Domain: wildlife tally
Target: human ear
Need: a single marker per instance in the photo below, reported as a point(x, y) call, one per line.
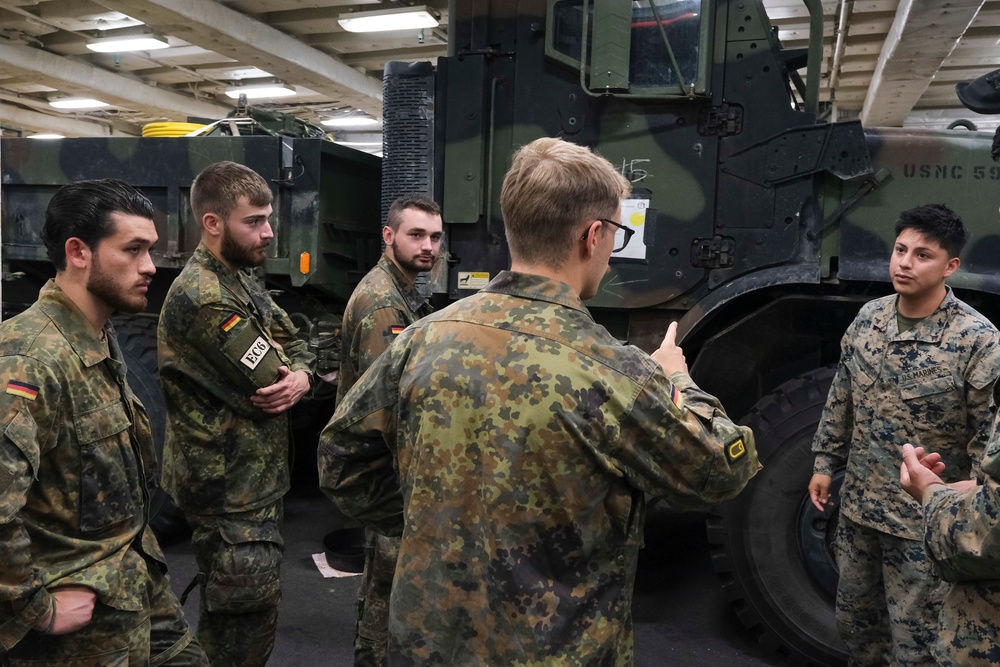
point(212, 224)
point(77, 253)
point(593, 236)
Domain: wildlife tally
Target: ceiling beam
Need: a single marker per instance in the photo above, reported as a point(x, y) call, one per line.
point(214, 27)
point(426, 52)
point(41, 122)
point(77, 78)
point(922, 36)
point(331, 10)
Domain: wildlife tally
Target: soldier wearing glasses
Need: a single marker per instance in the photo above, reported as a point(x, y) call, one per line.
point(525, 438)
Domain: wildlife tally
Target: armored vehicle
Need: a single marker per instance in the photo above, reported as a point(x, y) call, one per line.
point(759, 227)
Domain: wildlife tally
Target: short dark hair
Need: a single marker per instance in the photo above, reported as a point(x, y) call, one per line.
point(83, 210)
point(938, 223)
point(403, 202)
point(219, 186)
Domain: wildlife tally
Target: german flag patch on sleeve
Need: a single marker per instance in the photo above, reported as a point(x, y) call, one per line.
point(677, 397)
point(396, 329)
point(230, 323)
point(22, 389)
point(735, 450)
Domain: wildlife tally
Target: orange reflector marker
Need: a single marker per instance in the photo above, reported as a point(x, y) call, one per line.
point(304, 263)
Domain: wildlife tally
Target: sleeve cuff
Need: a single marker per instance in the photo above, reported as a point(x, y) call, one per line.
point(825, 464)
point(16, 627)
point(680, 379)
point(930, 491)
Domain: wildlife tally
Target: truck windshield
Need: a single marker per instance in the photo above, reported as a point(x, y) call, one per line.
point(650, 65)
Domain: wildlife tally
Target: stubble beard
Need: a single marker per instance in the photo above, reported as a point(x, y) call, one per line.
point(409, 264)
point(102, 285)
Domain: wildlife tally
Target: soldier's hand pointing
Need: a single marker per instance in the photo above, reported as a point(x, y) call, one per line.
point(669, 355)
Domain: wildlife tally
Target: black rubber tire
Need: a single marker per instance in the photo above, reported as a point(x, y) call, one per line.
point(137, 338)
point(769, 545)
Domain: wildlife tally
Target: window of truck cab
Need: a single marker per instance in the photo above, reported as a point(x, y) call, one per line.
point(626, 45)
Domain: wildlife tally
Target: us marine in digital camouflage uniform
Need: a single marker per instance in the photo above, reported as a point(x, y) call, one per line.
point(82, 578)
point(962, 523)
point(526, 439)
point(231, 368)
point(917, 367)
point(384, 303)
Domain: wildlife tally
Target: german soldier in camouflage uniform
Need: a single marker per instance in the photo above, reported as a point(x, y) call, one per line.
point(83, 580)
point(918, 366)
point(385, 302)
point(526, 438)
point(231, 368)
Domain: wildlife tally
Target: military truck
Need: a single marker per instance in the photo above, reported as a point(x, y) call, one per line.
point(326, 221)
point(760, 228)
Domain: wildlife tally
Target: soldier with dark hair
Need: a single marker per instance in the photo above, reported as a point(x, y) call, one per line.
point(918, 366)
point(231, 367)
point(384, 303)
point(83, 580)
point(511, 441)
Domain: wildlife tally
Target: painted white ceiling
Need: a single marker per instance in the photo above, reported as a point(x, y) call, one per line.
point(889, 62)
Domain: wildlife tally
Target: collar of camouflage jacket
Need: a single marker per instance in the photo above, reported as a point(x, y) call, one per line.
point(538, 288)
point(407, 288)
point(930, 329)
point(70, 321)
point(204, 256)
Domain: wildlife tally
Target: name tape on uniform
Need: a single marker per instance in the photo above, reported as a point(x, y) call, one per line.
point(252, 357)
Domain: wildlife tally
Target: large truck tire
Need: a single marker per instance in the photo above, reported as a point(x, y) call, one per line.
point(137, 338)
point(770, 546)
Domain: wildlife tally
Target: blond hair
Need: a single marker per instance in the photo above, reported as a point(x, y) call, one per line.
point(552, 190)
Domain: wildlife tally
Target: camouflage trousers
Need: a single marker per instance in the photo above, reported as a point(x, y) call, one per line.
point(969, 634)
point(238, 555)
point(888, 597)
point(157, 635)
point(371, 638)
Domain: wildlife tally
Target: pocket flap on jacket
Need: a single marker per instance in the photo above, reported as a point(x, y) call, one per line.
point(930, 387)
point(101, 423)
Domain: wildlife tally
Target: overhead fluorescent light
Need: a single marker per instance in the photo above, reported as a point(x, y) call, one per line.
point(258, 91)
point(403, 18)
point(146, 42)
point(350, 121)
point(77, 103)
point(46, 136)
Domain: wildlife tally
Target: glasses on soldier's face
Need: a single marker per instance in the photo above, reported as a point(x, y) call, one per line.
point(628, 233)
